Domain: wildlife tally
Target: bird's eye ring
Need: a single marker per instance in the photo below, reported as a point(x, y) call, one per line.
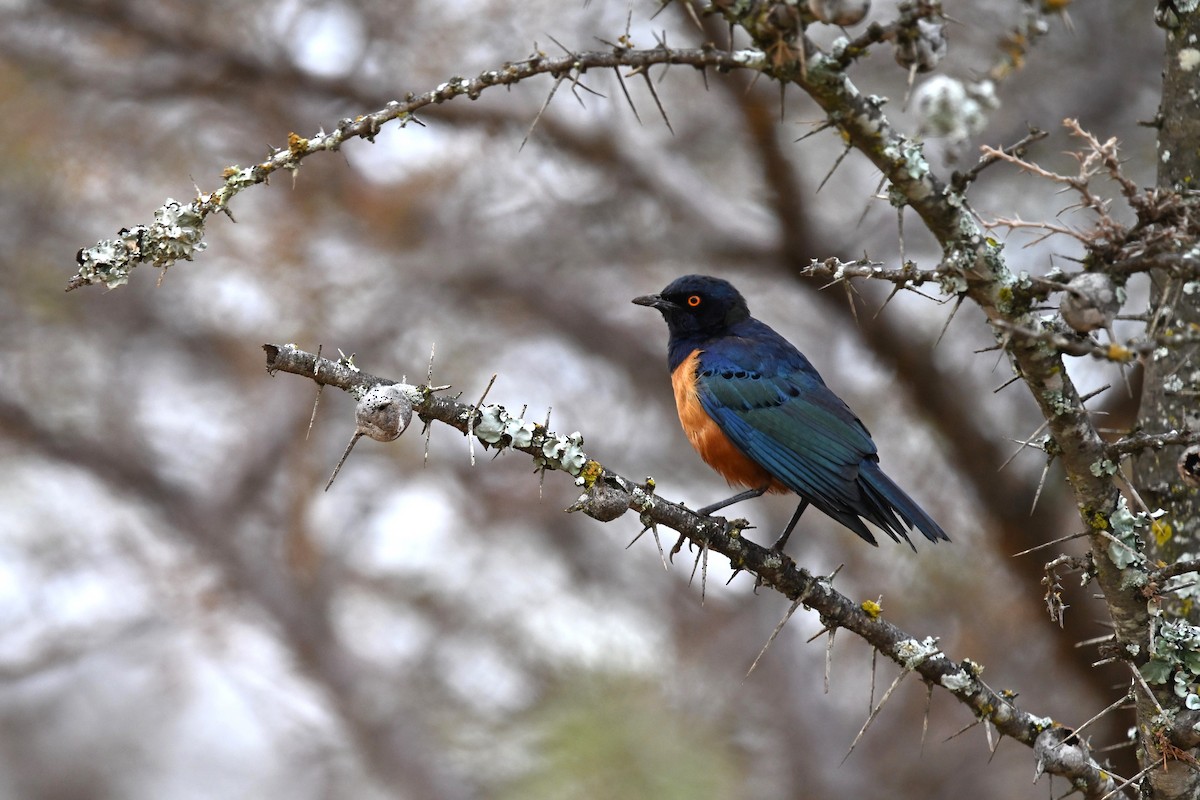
point(694, 300)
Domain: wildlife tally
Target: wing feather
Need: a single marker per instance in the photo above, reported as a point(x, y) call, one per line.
point(798, 429)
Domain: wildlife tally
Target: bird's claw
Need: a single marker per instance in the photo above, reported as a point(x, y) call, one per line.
point(678, 546)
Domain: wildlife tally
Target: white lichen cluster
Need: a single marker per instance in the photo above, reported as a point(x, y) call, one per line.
point(912, 653)
point(956, 681)
point(174, 235)
point(954, 109)
point(497, 427)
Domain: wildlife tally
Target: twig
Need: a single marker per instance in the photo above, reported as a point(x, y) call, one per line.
point(1079, 345)
point(1121, 786)
point(1137, 676)
point(1051, 543)
point(961, 180)
point(1137, 442)
point(1174, 570)
point(1113, 707)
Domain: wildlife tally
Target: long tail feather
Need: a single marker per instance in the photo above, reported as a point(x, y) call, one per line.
point(891, 502)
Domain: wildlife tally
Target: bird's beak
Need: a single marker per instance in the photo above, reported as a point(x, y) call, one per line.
point(654, 301)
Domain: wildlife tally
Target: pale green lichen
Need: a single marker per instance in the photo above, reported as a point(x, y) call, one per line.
point(174, 235)
point(564, 453)
point(1058, 404)
point(1126, 528)
point(496, 426)
point(913, 154)
point(490, 427)
point(1175, 657)
point(1133, 579)
point(519, 432)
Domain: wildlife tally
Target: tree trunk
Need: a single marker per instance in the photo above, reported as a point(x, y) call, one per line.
point(1172, 379)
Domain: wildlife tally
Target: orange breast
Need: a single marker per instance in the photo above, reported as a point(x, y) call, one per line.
point(705, 435)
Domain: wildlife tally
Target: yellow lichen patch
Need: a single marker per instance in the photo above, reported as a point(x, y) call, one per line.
point(872, 608)
point(297, 144)
point(1117, 352)
point(1162, 531)
point(590, 472)
point(1004, 296)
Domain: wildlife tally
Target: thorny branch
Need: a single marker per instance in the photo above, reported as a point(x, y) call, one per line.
point(1095, 159)
point(178, 228)
point(607, 495)
point(1137, 442)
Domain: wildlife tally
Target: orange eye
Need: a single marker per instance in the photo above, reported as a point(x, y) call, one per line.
point(694, 300)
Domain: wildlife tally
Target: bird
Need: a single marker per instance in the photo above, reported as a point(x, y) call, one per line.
point(757, 411)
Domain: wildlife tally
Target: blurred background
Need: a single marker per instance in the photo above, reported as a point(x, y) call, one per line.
point(185, 614)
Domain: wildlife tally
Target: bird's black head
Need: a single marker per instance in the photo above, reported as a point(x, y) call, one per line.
point(698, 305)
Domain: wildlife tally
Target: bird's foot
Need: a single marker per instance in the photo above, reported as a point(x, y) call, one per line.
point(728, 501)
point(678, 546)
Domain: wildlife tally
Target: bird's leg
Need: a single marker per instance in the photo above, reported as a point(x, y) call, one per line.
point(737, 498)
point(783, 537)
